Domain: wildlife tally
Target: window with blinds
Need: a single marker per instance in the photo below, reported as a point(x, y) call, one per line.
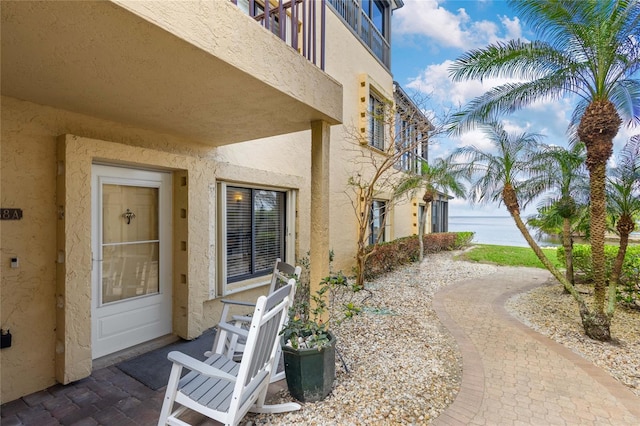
point(255, 231)
point(376, 122)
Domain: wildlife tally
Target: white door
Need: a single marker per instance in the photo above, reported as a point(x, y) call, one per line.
point(131, 252)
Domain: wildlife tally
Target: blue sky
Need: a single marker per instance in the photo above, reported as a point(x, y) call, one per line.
point(427, 35)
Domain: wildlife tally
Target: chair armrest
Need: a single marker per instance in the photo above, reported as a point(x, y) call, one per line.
point(198, 366)
point(242, 318)
point(233, 329)
point(238, 302)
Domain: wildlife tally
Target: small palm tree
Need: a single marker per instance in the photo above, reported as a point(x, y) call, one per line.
point(509, 176)
point(590, 48)
point(623, 195)
point(567, 179)
point(433, 178)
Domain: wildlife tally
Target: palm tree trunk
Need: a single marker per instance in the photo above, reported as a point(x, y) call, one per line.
point(545, 261)
point(615, 273)
point(598, 231)
point(567, 243)
point(625, 226)
point(598, 126)
point(597, 324)
point(421, 227)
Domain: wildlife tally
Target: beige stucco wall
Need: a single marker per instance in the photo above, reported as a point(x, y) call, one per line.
point(46, 167)
point(347, 62)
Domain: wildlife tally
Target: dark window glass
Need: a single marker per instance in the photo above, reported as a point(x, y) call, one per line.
point(378, 212)
point(376, 122)
point(255, 231)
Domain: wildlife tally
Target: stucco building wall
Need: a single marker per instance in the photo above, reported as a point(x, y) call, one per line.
point(46, 168)
point(348, 62)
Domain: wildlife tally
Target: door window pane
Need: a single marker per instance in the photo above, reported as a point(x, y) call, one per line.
point(129, 271)
point(130, 242)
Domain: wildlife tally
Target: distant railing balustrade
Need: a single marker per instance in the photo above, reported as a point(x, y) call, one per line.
point(303, 26)
point(359, 21)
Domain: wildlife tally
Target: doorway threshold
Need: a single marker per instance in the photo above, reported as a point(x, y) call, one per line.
point(134, 351)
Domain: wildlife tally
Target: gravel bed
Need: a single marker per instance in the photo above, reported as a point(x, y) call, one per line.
point(412, 377)
point(553, 313)
point(404, 367)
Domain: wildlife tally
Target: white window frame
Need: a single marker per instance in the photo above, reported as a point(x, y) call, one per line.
point(223, 287)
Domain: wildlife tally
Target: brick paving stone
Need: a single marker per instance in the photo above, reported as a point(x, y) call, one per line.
point(78, 415)
point(37, 398)
point(528, 378)
point(83, 396)
point(86, 422)
point(127, 404)
point(12, 420)
point(13, 407)
point(38, 417)
point(111, 416)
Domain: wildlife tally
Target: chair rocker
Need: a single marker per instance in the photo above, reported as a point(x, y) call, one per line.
point(229, 341)
point(223, 389)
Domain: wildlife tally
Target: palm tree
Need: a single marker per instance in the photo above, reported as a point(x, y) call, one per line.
point(566, 177)
point(590, 48)
point(433, 178)
point(623, 194)
point(509, 176)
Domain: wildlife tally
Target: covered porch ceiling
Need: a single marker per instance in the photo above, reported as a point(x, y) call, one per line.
point(105, 60)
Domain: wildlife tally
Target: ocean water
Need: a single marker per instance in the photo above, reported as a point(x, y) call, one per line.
point(499, 230)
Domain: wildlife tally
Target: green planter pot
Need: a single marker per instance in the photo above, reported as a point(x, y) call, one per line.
point(310, 372)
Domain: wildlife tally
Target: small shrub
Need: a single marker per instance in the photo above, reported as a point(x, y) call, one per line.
point(629, 288)
point(463, 239)
point(390, 255)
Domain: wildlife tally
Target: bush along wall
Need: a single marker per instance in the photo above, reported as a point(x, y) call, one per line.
point(390, 255)
point(629, 290)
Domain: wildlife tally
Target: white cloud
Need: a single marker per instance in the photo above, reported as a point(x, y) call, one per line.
point(435, 82)
point(451, 29)
point(513, 28)
point(475, 138)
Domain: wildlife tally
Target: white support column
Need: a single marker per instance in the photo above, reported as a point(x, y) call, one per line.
point(319, 234)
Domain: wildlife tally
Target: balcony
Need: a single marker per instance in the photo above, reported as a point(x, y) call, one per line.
point(370, 20)
point(199, 69)
point(299, 23)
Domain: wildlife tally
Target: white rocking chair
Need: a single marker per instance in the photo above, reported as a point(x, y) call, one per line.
point(229, 341)
point(219, 387)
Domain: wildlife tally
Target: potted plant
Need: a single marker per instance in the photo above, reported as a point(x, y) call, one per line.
point(308, 346)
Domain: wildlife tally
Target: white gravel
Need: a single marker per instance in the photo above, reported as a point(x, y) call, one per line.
point(405, 368)
point(551, 312)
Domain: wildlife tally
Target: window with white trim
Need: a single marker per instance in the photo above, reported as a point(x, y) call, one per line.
point(252, 234)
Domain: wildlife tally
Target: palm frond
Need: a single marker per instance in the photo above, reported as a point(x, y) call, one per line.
point(625, 95)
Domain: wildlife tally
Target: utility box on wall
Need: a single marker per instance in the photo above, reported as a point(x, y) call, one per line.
point(5, 339)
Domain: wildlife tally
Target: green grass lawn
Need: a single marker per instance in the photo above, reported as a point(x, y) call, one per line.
point(508, 256)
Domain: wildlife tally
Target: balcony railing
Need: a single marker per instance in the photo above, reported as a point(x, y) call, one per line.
point(361, 24)
point(299, 23)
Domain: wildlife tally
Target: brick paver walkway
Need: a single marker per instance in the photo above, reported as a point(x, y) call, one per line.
point(515, 376)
